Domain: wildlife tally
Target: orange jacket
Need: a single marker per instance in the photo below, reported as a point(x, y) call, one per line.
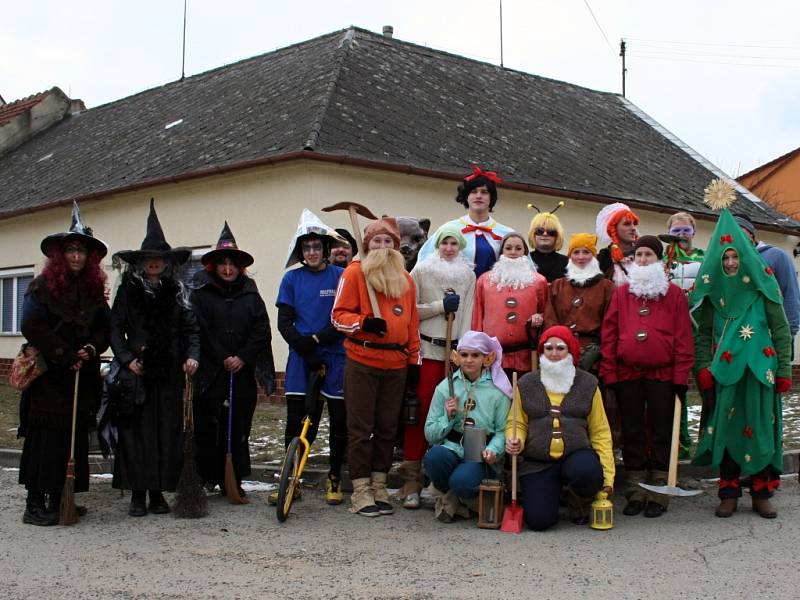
point(352, 307)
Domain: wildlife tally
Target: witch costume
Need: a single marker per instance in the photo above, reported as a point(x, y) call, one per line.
point(233, 322)
point(151, 323)
point(743, 355)
point(60, 321)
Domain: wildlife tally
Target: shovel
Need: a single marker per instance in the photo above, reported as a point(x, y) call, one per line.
point(354, 208)
point(512, 517)
point(672, 489)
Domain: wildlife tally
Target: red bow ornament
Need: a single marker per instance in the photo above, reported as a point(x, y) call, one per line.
point(769, 271)
point(727, 238)
point(764, 484)
point(768, 351)
point(490, 175)
point(729, 483)
point(727, 357)
point(476, 228)
point(748, 432)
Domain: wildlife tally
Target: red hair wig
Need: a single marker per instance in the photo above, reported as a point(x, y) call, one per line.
point(56, 275)
point(611, 230)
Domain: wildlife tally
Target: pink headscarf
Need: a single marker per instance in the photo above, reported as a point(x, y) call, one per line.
point(477, 340)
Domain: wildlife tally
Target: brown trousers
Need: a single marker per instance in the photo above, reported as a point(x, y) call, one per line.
point(373, 400)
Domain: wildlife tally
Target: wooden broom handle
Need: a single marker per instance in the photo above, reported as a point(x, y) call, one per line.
point(672, 475)
point(514, 436)
point(74, 414)
point(362, 252)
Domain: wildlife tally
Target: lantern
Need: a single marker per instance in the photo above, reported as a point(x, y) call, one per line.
point(490, 504)
point(410, 408)
point(602, 512)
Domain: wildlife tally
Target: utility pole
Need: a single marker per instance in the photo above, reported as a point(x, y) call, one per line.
point(501, 33)
point(624, 70)
point(183, 53)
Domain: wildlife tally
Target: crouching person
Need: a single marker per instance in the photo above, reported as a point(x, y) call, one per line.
point(480, 399)
point(562, 434)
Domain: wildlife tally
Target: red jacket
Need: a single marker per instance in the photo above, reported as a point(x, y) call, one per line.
point(646, 338)
point(352, 306)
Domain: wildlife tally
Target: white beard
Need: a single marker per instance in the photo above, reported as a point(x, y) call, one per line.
point(448, 273)
point(557, 376)
point(580, 275)
point(648, 282)
point(515, 273)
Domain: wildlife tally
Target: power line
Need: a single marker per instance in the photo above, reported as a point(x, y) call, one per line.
point(714, 62)
point(686, 43)
point(596, 22)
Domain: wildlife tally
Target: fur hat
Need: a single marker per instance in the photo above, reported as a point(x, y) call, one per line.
point(387, 225)
point(77, 231)
point(565, 334)
point(583, 240)
point(155, 244)
point(652, 242)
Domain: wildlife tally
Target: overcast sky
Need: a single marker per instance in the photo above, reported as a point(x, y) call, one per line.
point(724, 76)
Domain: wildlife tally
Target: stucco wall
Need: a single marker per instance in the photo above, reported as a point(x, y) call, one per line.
point(262, 206)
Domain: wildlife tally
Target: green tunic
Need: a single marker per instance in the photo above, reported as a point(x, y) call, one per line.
point(743, 338)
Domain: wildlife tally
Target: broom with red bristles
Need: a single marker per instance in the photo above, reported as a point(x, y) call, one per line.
point(231, 484)
point(68, 512)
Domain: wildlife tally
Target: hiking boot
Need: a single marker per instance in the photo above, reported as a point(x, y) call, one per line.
point(764, 508)
point(363, 502)
point(272, 499)
point(654, 510)
point(36, 513)
point(727, 506)
point(633, 508)
point(138, 506)
point(380, 493)
point(333, 491)
point(158, 504)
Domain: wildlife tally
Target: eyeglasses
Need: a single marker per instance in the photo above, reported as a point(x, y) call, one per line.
point(552, 347)
point(689, 230)
point(543, 231)
point(312, 246)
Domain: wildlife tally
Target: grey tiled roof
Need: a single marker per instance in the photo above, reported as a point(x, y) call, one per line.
point(357, 94)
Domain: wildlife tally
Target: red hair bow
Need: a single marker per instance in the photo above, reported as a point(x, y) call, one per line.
point(490, 175)
point(726, 356)
point(764, 484)
point(727, 238)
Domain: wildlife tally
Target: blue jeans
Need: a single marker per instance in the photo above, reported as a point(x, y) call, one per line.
point(581, 471)
point(449, 472)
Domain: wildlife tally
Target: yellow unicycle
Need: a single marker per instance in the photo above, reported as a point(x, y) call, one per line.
point(297, 452)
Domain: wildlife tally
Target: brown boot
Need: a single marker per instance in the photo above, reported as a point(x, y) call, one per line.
point(764, 508)
point(727, 506)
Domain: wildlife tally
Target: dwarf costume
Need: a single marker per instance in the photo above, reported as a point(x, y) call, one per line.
point(613, 259)
point(379, 351)
point(743, 354)
point(647, 352)
point(59, 325)
point(483, 239)
point(151, 323)
point(233, 322)
point(437, 281)
point(486, 402)
point(503, 308)
point(564, 435)
point(305, 301)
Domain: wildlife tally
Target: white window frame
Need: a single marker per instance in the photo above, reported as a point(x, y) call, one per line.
point(12, 275)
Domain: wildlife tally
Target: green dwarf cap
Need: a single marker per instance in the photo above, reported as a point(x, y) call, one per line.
point(449, 230)
point(731, 295)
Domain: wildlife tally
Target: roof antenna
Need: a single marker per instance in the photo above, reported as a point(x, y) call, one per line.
point(622, 48)
point(183, 53)
point(501, 33)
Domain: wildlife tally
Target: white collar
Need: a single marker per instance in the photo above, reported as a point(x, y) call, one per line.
point(487, 223)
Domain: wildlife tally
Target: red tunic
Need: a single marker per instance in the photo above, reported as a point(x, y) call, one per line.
point(647, 338)
point(503, 313)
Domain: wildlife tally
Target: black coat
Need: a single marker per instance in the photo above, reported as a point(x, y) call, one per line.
point(161, 331)
point(58, 328)
point(233, 321)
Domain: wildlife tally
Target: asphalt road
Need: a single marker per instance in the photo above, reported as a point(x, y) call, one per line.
point(326, 552)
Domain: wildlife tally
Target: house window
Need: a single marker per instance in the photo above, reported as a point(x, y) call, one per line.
point(13, 285)
point(193, 265)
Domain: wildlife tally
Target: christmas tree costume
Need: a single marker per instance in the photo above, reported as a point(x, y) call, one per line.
point(743, 351)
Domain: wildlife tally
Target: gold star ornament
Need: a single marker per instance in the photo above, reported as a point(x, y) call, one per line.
point(746, 332)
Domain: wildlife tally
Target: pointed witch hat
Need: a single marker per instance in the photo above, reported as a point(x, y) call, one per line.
point(310, 224)
point(227, 248)
point(77, 231)
point(155, 244)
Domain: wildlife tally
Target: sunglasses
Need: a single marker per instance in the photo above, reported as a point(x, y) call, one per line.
point(551, 347)
point(681, 230)
point(543, 231)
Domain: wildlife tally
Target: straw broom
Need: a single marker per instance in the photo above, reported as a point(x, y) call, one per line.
point(190, 500)
point(68, 512)
point(231, 485)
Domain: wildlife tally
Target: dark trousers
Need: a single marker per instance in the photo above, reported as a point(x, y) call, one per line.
point(337, 415)
point(541, 491)
point(635, 399)
point(762, 483)
point(374, 398)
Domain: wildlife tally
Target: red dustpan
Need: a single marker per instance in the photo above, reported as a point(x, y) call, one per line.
point(512, 516)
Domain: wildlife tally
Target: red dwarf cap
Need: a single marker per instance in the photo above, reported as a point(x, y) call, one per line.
point(562, 333)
